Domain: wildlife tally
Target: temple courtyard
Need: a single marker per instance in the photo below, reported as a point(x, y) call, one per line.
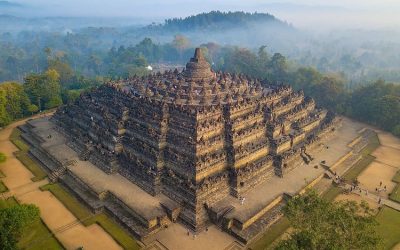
point(53, 213)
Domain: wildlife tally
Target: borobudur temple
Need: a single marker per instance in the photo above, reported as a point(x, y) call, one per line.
point(197, 137)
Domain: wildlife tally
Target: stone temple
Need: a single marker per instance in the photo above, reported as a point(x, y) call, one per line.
point(196, 140)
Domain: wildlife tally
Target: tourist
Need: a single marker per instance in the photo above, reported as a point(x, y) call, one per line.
point(384, 188)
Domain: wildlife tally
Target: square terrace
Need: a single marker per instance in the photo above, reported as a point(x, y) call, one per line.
point(293, 182)
point(133, 196)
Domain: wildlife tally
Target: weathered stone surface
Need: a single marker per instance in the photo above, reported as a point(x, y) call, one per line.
point(195, 136)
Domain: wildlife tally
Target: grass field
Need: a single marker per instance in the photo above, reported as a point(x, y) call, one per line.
point(37, 236)
point(358, 167)
point(31, 165)
point(389, 226)
point(373, 144)
point(3, 187)
point(271, 235)
point(396, 178)
point(15, 138)
point(395, 194)
point(23, 156)
point(87, 218)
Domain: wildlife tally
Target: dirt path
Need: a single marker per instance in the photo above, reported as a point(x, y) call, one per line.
point(380, 172)
point(59, 219)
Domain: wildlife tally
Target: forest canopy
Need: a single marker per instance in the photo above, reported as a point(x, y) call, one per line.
point(55, 68)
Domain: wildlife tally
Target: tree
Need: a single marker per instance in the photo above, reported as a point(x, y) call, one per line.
point(52, 98)
point(320, 224)
point(4, 116)
point(3, 157)
point(396, 130)
point(69, 96)
point(13, 220)
point(305, 79)
point(33, 109)
point(279, 68)
point(44, 90)
point(329, 92)
point(263, 55)
point(63, 69)
point(181, 43)
point(17, 101)
point(386, 111)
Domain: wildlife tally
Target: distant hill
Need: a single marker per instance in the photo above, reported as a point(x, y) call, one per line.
point(8, 4)
point(216, 20)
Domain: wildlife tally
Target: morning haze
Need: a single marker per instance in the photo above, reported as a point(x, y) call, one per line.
point(192, 125)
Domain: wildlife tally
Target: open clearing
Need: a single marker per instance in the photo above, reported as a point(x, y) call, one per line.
point(376, 173)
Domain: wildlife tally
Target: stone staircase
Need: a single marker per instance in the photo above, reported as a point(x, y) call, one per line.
point(84, 156)
point(60, 171)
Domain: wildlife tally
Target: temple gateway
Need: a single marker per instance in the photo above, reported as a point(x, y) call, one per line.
point(188, 144)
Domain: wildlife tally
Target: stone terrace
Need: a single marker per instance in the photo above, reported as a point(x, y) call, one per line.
point(134, 197)
point(330, 151)
point(257, 201)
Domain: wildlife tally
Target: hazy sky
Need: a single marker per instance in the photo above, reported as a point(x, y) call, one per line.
point(302, 13)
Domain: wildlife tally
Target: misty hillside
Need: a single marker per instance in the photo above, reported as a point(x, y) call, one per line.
point(228, 28)
point(359, 54)
point(7, 4)
point(217, 20)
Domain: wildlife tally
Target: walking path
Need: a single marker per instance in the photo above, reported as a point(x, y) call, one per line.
point(67, 229)
point(385, 162)
point(364, 193)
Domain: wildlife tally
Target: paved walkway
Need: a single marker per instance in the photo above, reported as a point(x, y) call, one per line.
point(364, 193)
point(70, 232)
point(23, 189)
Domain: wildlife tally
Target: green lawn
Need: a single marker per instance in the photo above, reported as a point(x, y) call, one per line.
point(31, 165)
point(88, 218)
point(358, 167)
point(15, 138)
point(396, 178)
point(395, 194)
point(272, 233)
point(373, 144)
point(366, 159)
point(3, 187)
point(23, 156)
point(332, 192)
point(389, 226)
point(3, 157)
point(37, 236)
